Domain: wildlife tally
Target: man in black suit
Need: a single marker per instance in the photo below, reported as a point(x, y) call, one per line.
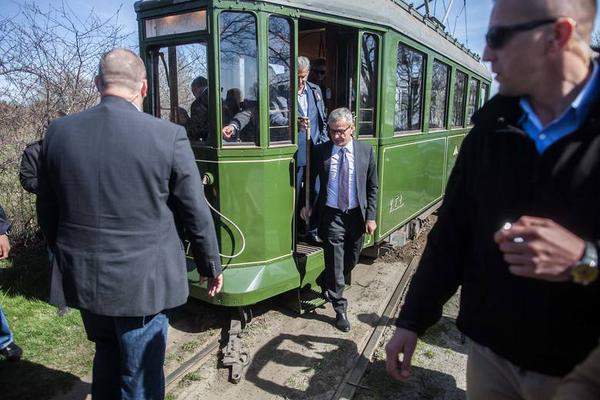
point(346, 204)
point(113, 183)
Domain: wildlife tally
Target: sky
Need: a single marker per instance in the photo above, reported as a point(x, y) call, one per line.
point(477, 13)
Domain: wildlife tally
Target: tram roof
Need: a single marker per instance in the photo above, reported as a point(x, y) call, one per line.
point(394, 14)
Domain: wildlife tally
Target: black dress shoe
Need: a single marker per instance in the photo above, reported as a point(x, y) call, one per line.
point(341, 321)
point(12, 352)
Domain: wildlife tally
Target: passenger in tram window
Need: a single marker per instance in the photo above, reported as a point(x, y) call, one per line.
point(181, 117)
point(8, 348)
point(117, 187)
point(198, 124)
point(518, 228)
point(243, 127)
point(232, 104)
point(318, 73)
point(345, 206)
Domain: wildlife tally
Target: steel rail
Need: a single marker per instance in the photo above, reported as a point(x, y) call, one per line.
point(351, 381)
point(196, 360)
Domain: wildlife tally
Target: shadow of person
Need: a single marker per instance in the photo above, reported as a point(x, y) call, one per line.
point(29, 274)
point(301, 366)
point(371, 319)
point(445, 334)
point(424, 384)
point(37, 382)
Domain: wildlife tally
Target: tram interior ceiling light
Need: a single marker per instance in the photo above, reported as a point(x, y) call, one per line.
point(175, 24)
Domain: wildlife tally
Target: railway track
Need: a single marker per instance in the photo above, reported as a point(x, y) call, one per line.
point(352, 378)
point(351, 381)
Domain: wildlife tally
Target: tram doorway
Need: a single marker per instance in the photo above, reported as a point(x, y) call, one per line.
point(332, 52)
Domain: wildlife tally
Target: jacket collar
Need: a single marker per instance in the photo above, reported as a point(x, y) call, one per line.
point(117, 102)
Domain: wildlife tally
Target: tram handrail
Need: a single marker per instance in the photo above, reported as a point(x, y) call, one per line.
point(235, 226)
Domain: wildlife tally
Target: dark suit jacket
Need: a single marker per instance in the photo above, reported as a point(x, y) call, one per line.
point(113, 181)
point(365, 170)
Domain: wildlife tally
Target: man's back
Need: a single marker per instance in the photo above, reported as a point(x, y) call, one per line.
point(119, 177)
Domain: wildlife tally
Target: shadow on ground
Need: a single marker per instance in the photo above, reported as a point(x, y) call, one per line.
point(300, 366)
point(42, 382)
point(28, 275)
point(445, 334)
point(425, 384)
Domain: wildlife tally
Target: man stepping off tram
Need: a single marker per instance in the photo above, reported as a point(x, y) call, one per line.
point(346, 204)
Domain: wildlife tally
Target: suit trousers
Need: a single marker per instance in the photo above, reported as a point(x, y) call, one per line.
point(6, 336)
point(492, 377)
point(583, 383)
point(130, 353)
point(343, 235)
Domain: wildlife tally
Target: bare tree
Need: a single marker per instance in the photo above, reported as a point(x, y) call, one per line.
point(48, 59)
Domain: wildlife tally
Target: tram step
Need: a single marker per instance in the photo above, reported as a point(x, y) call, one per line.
point(305, 249)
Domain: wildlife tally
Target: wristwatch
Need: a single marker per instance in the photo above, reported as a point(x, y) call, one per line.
point(585, 271)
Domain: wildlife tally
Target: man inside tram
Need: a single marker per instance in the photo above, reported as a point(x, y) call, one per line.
point(312, 128)
point(197, 125)
point(318, 75)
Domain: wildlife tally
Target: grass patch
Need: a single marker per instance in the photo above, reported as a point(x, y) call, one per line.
point(56, 351)
point(189, 378)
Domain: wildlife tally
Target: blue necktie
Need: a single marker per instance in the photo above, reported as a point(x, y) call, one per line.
point(343, 200)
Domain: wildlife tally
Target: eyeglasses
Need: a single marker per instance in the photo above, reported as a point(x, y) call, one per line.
point(498, 36)
point(339, 131)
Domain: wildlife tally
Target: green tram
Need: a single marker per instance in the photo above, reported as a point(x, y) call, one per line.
point(412, 87)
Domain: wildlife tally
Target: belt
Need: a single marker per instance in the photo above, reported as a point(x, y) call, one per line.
point(348, 211)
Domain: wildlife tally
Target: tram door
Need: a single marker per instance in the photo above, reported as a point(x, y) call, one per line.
point(332, 52)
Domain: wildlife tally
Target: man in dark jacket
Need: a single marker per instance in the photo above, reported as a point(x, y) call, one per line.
point(8, 347)
point(518, 229)
point(113, 182)
point(346, 204)
point(198, 123)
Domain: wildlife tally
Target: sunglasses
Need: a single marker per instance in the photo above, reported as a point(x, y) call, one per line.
point(498, 36)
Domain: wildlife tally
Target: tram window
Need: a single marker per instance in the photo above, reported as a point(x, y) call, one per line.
point(483, 96)
point(180, 88)
point(409, 89)
point(239, 78)
point(280, 78)
point(368, 85)
point(460, 88)
point(472, 103)
point(439, 95)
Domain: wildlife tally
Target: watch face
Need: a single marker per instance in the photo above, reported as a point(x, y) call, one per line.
point(584, 274)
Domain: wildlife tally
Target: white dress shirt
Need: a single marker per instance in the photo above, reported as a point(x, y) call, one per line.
point(303, 102)
point(332, 185)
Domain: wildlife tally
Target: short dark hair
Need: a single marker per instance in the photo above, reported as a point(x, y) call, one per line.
point(199, 82)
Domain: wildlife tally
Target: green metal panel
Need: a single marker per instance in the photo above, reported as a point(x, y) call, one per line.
point(257, 195)
point(454, 143)
point(249, 285)
point(412, 178)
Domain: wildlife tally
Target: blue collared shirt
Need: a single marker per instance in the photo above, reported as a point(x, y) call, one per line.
point(571, 120)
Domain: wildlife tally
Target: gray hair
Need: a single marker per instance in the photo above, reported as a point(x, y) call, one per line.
point(303, 63)
point(341, 113)
point(121, 68)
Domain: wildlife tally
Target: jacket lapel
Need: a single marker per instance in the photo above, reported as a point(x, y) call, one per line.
point(327, 160)
point(358, 167)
